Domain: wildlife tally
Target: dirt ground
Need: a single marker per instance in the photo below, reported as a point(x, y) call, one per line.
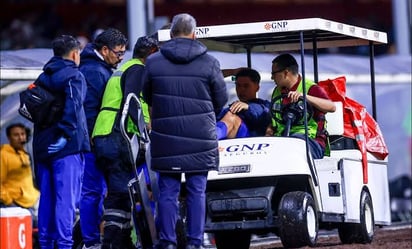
point(385, 238)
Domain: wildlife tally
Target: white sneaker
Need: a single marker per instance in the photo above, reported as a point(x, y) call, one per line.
point(96, 246)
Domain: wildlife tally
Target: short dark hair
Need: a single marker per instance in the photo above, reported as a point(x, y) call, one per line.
point(144, 45)
point(14, 125)
point(286, 61)
point(251, 73)
point(110, 38)
point(63, 44)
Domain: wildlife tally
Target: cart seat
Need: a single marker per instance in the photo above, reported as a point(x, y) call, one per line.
point(335, 128)
point(334, 120)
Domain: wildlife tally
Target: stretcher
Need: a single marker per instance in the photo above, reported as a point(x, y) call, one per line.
point(143, 194)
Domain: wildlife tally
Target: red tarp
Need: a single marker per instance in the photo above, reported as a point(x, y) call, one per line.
point(358, 123)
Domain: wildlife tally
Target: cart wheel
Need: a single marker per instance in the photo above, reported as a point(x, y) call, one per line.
point(232, 239)
point(298, 220)
point(362, 232)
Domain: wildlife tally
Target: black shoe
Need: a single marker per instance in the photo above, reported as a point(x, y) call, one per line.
point(170, 246)
point(165, 246)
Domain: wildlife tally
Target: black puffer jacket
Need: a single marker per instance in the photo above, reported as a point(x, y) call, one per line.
point(185, 88)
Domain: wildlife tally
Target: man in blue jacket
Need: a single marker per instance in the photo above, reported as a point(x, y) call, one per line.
point(98, 59)
point(249, 115)
point(109, 144)
point(58, 149)
point(184, 87)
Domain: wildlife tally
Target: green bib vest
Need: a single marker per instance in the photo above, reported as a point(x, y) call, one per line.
point(110, 110)
point(300, 128)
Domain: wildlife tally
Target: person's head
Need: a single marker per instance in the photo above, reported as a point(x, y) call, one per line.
point(18, 135)
point(247, 84)
point(67, 47)
point(183, 25)
point(111, 44)
point(145, 46)
point(285, 70)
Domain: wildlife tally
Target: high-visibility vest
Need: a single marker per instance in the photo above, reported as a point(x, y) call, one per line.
point(298, 128)
point(110, 110)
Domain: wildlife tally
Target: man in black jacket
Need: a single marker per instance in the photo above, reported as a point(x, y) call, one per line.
point(184, 87)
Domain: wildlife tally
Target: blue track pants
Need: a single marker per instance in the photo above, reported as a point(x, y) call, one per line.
point(91, 202)
point(60, 184)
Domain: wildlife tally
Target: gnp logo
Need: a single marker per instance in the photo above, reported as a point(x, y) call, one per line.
point(281, 25)
point(202, 32)
point(244, 149)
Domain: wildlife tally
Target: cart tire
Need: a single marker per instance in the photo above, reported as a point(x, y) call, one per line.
point(298, 220)
point(232, 239)
point(362, 232)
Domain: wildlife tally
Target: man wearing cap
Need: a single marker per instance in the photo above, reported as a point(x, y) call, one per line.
point(111, 154)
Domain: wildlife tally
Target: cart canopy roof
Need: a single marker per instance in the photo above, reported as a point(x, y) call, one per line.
point(282, 35)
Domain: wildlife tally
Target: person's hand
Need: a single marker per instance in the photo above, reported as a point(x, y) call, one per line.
point(294, 96)
point(269, 131)
point(53, 148)
point(238, 106)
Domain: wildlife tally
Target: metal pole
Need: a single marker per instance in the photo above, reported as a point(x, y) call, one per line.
point(302, 65)
point(150, 28)
point(249, 57)
point(136, 20)
point(372, 69)
point(315, 57)
point(305, 114)
point(401, 25)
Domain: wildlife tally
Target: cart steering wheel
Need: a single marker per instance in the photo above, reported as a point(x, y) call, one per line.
point(292, 112)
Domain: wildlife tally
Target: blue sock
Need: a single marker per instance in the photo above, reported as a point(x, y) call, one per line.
point(243, 131)
point(221, 130)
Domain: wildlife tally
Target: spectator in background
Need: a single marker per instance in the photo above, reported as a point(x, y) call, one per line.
point(58, 149)
point(16, 178)
point(96, 33)
point(98, 59)
point(185, 89)
point(83, 41)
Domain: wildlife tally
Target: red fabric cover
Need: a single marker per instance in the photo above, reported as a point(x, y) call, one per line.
point(358, 123)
